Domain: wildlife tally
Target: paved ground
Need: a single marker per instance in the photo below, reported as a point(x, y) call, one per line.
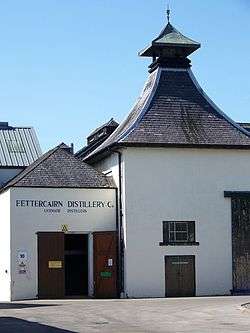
point(215, 314)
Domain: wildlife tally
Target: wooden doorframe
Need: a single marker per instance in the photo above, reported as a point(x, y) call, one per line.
point(41, 265)
point(194, 271)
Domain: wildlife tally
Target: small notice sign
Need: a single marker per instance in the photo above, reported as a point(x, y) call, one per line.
point(55, 264)
point(106, 274)
point(22, 259)
point(110, 262)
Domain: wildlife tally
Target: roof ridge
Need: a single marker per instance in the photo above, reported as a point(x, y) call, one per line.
point(30, 168)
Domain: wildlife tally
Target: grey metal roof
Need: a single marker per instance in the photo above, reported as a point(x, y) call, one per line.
point(19, 146)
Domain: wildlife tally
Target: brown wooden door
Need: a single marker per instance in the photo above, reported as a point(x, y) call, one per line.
point(105, 264)
point(51, 265)
point(180, 276)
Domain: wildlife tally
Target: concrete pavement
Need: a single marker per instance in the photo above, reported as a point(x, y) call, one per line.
point(206, 314)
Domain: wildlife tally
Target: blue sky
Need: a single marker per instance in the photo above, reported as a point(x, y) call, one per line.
point(67, 66)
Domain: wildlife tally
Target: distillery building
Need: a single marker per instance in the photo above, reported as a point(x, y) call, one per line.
point(58, 234)
point(157, 206)
point(181, 167)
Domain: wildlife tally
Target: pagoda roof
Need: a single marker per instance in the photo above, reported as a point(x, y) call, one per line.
point(60, 168)
point(168, 38)
point(173, 111)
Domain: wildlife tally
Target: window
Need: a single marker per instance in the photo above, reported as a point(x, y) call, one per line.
point(179, 233)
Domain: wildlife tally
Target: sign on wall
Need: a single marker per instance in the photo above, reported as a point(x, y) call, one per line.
point(22, 259)
point(68, 206)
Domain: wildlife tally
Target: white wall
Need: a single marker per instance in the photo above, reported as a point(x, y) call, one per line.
point(7, 174)
point(110, 167)
point(180, 184)
point(26, 221)
point(5, 247)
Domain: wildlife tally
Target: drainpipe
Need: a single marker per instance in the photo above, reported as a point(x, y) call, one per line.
point(120, 228)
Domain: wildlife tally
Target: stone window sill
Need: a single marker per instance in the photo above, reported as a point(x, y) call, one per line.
point(179, 244)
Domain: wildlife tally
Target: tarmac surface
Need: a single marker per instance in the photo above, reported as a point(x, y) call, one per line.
point(200, 314)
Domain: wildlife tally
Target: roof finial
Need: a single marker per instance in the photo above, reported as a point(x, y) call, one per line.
point(168, 14)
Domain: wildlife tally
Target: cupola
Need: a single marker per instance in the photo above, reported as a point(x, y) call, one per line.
point(170, 48)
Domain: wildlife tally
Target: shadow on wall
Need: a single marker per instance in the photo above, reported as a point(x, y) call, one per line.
point(23, 305)
point(15, 325)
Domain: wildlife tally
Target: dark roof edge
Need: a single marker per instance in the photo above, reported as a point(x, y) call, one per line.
point(106, 151)
point(208, 99)
point(184, 145)
point(108, 123)
point(30, 168)
point(70, 187)
point(156, 77)
point(144, 109)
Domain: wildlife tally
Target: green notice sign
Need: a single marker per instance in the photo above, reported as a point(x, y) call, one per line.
point(106, 274)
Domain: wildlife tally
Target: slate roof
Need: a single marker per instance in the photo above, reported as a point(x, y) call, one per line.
point(97, 137)
point(111, 123)
point(168, 38)
point(19, 146)
point(59, 168)
point(174, 111)
point(245, 125)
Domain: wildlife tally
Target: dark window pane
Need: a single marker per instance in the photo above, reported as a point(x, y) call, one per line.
point(166, 232)
point(181, 226)
point(171, 237)
point(181, 236)
point(171, 226)
point(191, 232)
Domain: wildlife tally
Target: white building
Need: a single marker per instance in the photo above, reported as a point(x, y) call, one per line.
point(179, 162)
point(53, 215)
point(168, 215)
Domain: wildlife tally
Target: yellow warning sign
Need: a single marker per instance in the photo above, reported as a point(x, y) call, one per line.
point(65, 228)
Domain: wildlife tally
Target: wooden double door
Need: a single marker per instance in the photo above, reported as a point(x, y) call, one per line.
point(180, 276)
point(63, 264)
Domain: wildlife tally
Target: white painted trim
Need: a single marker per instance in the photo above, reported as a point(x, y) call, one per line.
point(213, 105)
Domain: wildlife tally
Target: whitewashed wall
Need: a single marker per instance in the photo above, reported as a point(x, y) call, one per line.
point(26, 221)
point(110, 167)
point(5, 247)
point(181, 184)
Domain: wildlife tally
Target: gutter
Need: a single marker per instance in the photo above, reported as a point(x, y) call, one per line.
point(120, 229)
